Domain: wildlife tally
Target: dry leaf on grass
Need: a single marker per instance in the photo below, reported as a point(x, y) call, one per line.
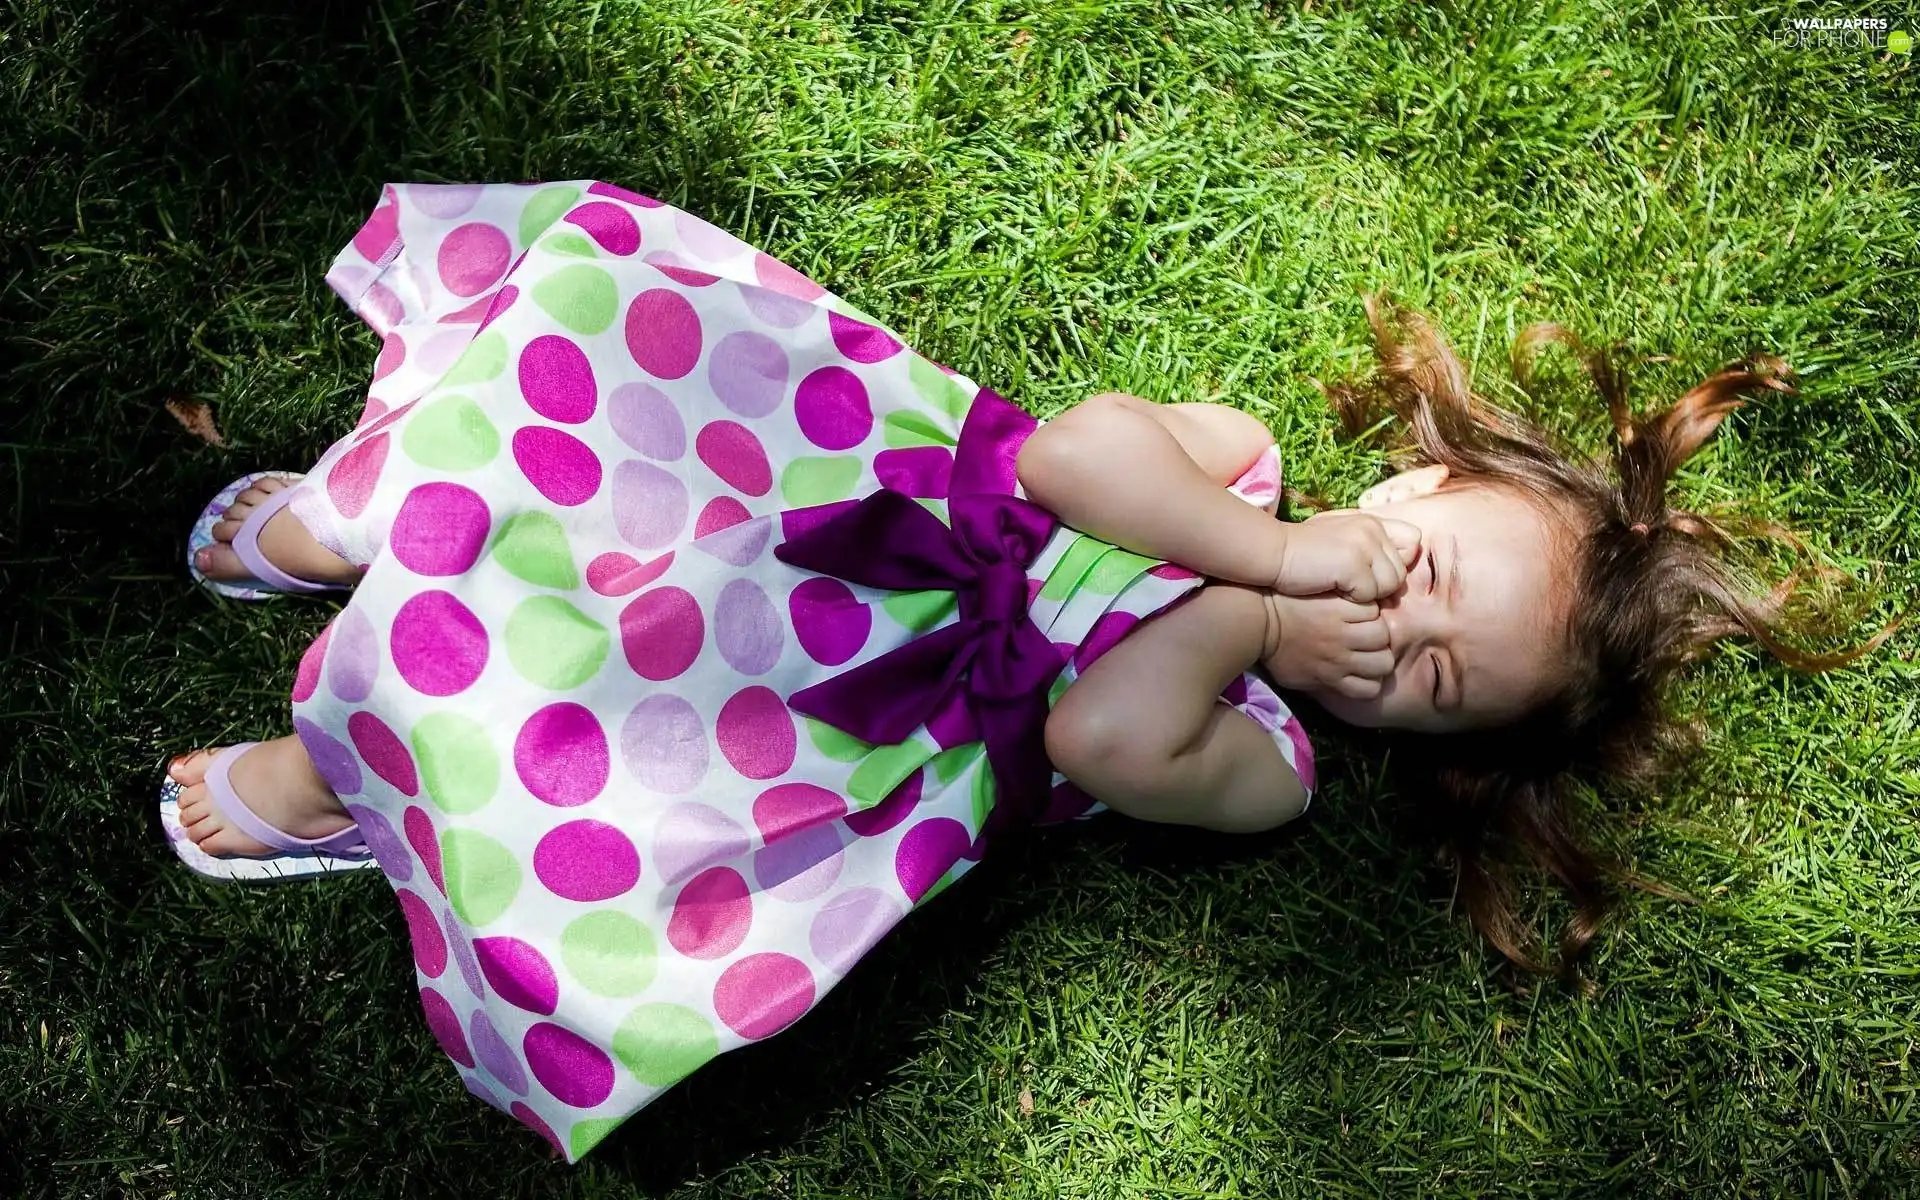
point(197, 418)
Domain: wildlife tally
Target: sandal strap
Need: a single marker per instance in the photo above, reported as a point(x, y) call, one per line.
point(347, 843)
point(246, 545)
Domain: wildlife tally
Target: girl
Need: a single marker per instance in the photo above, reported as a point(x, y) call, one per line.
point(700, 629)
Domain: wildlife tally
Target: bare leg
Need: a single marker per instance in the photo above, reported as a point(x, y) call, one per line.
point(278, 781)
point(284, 540)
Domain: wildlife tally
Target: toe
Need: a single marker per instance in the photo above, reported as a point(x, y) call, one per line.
point(219, 561)
point(226, 530)
point(190, 768)
point(267, 485)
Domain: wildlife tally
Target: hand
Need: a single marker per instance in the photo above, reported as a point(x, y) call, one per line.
point(1362, 556)
point(1330, 643)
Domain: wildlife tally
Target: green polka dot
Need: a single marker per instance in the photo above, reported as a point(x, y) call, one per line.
point(457, 761)
point(948, 764)
point(609, 953)
point(581, 297)
point(1059, 687)
point(881, 771)
point(920, 611)
point(570, 243)
point(587, 1134)
point(907, 427)
point(1072, 567)
point(983, 793)
point(484, 358)
point(554, 644)
point(937, 388)
point(936, 506)
point(450, 434)
point(809, 481)
point(482, 875)
point(544, 209)
point(835, 744)
point(1116, 569)
point(533, 546)
point(663, 1043)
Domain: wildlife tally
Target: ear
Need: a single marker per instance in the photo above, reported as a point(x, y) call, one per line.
point(1405, 486)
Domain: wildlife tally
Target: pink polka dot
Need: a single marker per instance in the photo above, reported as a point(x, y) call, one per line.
point(501, 302)
point(830, 624)
point(469, 314)
point(850, 924)
point(306, 679)
point(927, 852)
point(662, 632)
point(790, 807)
point(663, 333)
point(664, 744)
point(756, 733)
point(586, 860)
point(371, 411)
point(616, 574)
point(861, 342)
point(557, 380)
point(438, 645)
point(575, 1071)
point(383, 752)
point(711, 915)
point(608, 224)
point(692, 837)
point(916, 470)
point(518, 973)
point(440, 530)
point(721, 512)
point(649, 504)
point(615, 191)
point(732, 452)
point(800, 867)
point(1171, 571)
point(763, 993)
point(381, 230)
point(425, 841)
point(774, 274)
point(1104, 636)
point(892, 809)
point(675, 268)
point(737, 544)
point(747, 628)
point(429, 944)
point(643, 417)
point(531, 1119)
point(353, 662)
point(385, 419)
point(350, 482)
point(445, 1026)
point(832, 408)
point(496, 1057)
point(1303, 763)
point(393, 352)
point(562, 467)
point(748, 372)
point(473, 257)
point(561, 755)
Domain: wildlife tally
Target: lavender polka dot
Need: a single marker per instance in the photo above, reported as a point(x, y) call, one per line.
point(561, 755)
point(382, 840)
point(850, 924)
point(664, 744)
point(746, 627)
point(762, 994)
point(442, 350)
point(440, 530)
point(463, 954)
point(353, 661)
point(518, 973)
point(692, 837)
point(496, 1057)
point(705, 239)
point(443, 201)
point(833, 410)
point(643, 417)
point(800, 867)
point(756, 733)
point(560, 466)
point(444, 1024)
point(473, 257)
point(927, 852)
point(557, 380)
point(776, 308)
point(572, 1069)
point(438, 645)
point(661, 633)
point(650, 505)
point(828, 621)
point(586, 861)
point(861, 342)
point(748, 372)
point(739, 544)
point(663, 333)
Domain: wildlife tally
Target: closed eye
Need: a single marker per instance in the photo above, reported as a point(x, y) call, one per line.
point(1433, 573)
point(1435, 660)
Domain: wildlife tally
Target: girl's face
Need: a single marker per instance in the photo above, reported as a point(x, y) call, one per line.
point(1476, 628)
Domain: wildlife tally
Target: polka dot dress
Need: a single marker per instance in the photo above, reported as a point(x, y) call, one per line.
point(557, 703)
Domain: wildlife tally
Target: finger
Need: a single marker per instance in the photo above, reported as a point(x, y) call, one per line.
point(1356, 688)
point(1368, 635)
point(1369, 664)
point(1354, 612)
point(1405, 538)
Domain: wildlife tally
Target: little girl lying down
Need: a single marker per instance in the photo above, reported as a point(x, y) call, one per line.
point(699, 629)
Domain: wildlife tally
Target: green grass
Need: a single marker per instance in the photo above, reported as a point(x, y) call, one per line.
point(1059, 197)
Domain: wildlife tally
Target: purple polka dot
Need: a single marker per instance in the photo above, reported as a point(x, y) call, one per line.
point(748, 372)
point(562, 467)
point(575, 1071)
point(850, 924)
point(350, 482)
point(832, 408)
point(661, 633)
point(383, 752)
point(1104, 636)
point(463, 956)
point(800, 867)
point(861, 342)
point(557, 380)
point(650, 505)
point(776, 308)
point(711, 915)
point(429, 944)
point(424, 839)
point(586, 860)
point(829, 622)
point(927, 852)
point(531, 1119)
point(393, 352)
point(330, 757)
point(438, 645)
point(791, 807)
point(772, 273)
point(763, 993)
point(643, 417)
point(664, 744)
point(306, 678)
point(440, 530)
point(445, 1026)
point(892, 809)
point(608, 224)
point(561, 755)
point(616, 574)
point(496, 1057)
point(473, 257)
point(746, 628)
point(756, 733)
point(692, 837)
point(518, 974)
point(738, 544)
point(916, 471)
point(732, 452)
point(663, 333)
point(443, 200)
point(383, 841)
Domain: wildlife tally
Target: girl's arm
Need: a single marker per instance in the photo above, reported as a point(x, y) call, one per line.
point(1143, 729)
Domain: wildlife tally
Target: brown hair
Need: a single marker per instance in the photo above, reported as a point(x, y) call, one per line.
point(1652, 586)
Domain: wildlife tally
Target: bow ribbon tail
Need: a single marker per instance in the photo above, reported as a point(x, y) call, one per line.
point(886, 541)
point(884, 699)
point(1008, 695)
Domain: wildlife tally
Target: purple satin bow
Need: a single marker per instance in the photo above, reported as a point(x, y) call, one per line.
point(1001, 660)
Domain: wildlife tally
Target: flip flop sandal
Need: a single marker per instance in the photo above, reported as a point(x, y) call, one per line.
point(293, 858)
point(268, 580)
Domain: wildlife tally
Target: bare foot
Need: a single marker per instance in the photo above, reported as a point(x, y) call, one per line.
point(279, 784)
point(283, 540)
